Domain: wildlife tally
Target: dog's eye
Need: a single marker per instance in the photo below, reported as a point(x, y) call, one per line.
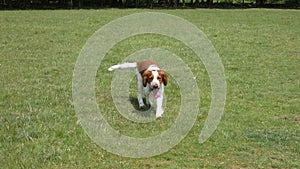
point(150, 78)
point(158, 78)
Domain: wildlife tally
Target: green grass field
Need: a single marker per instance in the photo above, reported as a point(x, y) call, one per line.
point(260, 50)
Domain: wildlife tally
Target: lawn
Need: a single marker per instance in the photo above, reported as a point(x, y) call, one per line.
point(260, 128)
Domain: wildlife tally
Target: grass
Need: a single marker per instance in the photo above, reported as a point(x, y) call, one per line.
point(260, 128)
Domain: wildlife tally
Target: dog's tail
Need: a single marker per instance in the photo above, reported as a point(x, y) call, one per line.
point(122, 66)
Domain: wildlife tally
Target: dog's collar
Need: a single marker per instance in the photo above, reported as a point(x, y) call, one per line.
point(153, 68)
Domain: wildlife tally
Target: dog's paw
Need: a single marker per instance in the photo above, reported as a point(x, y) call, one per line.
point(158, 117)
point(159, 114)
point(141, 105)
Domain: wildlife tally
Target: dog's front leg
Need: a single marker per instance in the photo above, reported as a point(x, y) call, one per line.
point(159, 108)
point(140, 91)
point(159, 103)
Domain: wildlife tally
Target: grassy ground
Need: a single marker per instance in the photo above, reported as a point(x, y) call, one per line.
point(260, 50)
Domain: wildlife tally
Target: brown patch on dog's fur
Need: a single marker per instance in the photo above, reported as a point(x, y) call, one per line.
point(148, 77)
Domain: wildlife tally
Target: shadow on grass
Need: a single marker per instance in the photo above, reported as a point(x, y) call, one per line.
point(145, 111)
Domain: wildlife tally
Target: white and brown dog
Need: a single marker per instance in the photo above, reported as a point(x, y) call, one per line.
point(150, 78)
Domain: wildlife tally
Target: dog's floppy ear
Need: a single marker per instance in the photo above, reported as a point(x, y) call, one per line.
point(145, 77)
point(164, 77)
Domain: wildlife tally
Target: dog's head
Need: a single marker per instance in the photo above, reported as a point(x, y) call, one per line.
point(154, 78)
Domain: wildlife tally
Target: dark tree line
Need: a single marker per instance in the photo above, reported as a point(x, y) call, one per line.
point(78, 4)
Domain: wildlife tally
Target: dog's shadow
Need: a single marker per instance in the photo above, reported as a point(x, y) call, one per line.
point(145, 111)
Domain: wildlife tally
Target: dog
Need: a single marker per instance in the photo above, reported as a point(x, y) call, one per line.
point(150, 78)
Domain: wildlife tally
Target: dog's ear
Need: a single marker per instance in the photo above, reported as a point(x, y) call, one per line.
point(164, 77)
point(145, 77)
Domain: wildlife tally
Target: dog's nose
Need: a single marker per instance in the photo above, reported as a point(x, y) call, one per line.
point(155, 86)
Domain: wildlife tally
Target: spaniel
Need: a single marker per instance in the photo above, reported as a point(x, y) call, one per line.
point(150, 78)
